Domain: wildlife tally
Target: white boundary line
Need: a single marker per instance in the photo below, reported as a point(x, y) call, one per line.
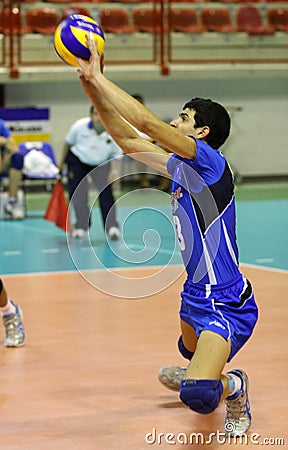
point(269, 269)
point(252, 266)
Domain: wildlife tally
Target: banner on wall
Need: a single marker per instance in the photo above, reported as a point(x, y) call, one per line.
point(27, 124)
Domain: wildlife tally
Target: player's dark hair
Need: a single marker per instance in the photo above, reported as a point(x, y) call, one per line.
point(214, 116)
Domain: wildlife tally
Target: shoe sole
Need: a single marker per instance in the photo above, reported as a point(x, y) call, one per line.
point(165, 382)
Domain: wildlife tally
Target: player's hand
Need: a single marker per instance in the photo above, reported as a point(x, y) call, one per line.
point(94, 68)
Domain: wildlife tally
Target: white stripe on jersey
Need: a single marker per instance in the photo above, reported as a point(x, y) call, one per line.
point(228, 242)
point(209, 265)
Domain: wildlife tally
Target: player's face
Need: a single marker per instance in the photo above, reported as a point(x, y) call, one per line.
point(185, 123)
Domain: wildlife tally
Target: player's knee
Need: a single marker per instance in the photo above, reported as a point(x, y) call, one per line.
point(183, 350)
point(17, 161)
point(202, 396)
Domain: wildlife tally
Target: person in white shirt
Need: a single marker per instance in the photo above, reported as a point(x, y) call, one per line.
point(89, 150)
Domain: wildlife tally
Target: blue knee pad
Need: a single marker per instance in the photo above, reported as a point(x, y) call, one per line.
point(183, 350)
point(202, 396)
point(17, 161)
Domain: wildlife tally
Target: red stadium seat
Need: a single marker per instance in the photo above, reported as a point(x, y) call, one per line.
point(240, 1)
point(115, 21)
point(42, 21)
point(231, 1)
point(278, 18)
point(217, 20)
point(147, 20)
point(250, 21)
point(126, 1)
point(184, 20)
point(67, 1)
point(69, 10)
point(10, 20)
point(189, 1)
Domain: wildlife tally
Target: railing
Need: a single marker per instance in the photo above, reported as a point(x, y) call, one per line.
point(162, 47)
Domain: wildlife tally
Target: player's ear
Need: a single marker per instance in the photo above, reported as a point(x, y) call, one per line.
point(202, 132)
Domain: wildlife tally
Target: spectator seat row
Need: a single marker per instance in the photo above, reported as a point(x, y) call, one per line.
point(151, 1)
point(248, 19)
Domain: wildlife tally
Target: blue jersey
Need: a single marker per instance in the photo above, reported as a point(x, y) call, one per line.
point(203, 207)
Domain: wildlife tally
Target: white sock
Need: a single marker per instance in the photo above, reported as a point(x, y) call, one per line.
point(234, 383)
point(8, 309)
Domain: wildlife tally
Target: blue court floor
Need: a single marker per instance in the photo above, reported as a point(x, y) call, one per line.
point(35, 245)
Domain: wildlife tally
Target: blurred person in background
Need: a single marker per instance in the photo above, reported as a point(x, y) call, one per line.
point(89, 151)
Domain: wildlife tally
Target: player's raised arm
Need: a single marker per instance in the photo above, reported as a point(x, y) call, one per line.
point(133, 111)
point(126, 137)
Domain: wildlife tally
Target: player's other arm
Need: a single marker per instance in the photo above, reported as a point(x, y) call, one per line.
point(133, 111)
point(124, 135)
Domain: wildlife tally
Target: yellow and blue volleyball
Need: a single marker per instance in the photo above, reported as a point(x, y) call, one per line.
point(70, 38)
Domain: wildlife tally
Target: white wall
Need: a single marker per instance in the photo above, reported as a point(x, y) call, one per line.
point(258, 142)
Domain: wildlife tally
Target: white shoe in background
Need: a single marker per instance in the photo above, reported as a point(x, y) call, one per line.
point(13, 211)
point(114, 233)
point(79, 233)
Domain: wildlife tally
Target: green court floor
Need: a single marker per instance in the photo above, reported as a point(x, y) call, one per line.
point(148, 239)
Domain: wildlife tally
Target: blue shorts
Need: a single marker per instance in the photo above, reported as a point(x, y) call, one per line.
point(228, 310)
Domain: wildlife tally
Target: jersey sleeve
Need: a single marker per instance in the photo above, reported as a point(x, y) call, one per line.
point(209, 163)
point(172, 163)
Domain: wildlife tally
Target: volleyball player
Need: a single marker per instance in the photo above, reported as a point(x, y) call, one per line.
point(218, 310)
